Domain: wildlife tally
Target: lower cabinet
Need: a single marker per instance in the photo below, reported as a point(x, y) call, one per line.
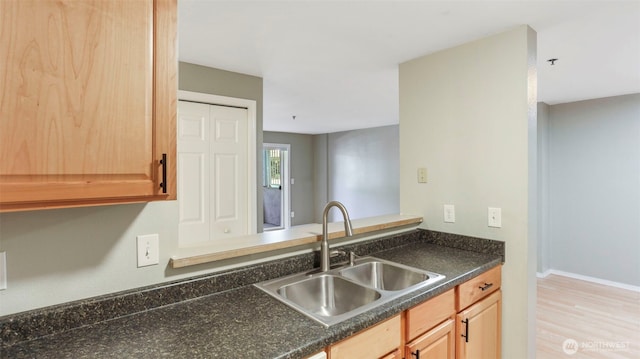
point(462, 323)
point(376, 342)
point(479, 328)
point(479, 318)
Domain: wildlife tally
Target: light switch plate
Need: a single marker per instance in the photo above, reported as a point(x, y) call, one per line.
point(3, 270)
point(494, 217)
point(148, 250)
point(422, 175)
point(449, 213)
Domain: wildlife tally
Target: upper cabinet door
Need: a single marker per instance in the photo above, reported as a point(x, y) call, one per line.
point(88, 102)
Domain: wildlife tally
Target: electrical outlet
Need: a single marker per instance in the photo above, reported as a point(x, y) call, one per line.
point(293, 214)
point(449, 213)
point(3, 270)
point(494, 217)
point(148, 250)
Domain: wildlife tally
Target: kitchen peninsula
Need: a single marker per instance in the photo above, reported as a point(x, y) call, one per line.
point(224, 315)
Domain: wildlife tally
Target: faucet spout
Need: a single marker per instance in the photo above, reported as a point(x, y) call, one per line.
point(324, 245)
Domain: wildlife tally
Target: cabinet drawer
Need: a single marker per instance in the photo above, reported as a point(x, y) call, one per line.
point(427, 315)
point(370, 343)
point(478, 288)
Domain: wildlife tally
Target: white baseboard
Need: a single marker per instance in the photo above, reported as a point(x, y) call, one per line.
point(589, 279)
point(543, 274)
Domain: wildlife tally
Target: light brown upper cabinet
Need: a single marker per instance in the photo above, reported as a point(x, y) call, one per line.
point(88, 92)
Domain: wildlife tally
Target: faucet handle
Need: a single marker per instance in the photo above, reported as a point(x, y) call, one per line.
point(336, 252)
point(352, 258)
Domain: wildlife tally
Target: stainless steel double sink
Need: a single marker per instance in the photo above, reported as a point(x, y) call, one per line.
point(346, 291)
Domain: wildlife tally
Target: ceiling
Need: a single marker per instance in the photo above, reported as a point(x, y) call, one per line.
point(334, 64)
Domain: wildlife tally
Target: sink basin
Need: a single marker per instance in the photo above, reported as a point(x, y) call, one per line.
point(328, 295)
point(385, 276)
point(325, 297)
point(344, 292)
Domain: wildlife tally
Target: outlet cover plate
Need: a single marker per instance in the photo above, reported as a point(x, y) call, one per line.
point(449, 213)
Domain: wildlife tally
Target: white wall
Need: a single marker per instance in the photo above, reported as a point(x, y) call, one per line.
point(594, 179)
point(465, 114)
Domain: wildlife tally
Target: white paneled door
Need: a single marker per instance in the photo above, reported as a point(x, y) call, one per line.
point(212, 172)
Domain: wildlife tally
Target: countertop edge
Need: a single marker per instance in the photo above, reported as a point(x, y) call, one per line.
point(271, 241)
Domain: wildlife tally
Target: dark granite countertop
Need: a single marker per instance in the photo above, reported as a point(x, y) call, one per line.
point(245, 322)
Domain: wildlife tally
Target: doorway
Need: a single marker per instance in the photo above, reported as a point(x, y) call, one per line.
point(275, 186)
point(215, 168)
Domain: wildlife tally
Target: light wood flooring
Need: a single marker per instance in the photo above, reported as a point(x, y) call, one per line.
point(604, 321)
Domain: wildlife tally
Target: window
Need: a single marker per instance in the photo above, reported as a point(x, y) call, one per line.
point(272, 168)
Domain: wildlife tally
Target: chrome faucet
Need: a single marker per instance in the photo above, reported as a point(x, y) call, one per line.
point(324, 245)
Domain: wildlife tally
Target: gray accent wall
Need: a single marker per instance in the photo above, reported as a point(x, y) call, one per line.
point(594, 188)
point(363, 171)
point(320, 175)
point(544, 254)
point(301, 169)
point(358, 168)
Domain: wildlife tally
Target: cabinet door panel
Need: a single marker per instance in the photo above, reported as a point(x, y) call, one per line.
point(438, 343)
point(479, 329)
point(77, 112)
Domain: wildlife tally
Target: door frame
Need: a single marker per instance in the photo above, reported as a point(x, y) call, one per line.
point(285, 199)
point(251, 106)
